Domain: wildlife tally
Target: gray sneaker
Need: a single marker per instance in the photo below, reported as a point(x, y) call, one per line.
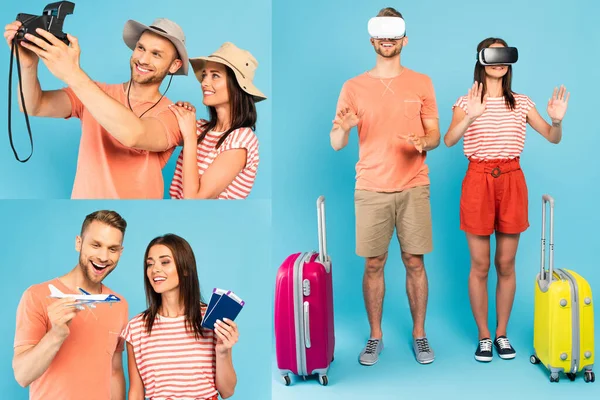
point(370, 353)
point(423, 352)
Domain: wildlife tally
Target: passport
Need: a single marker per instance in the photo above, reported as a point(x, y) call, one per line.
point(222, 304)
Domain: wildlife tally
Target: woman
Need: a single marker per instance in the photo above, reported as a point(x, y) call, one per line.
point(169, 354)
point(220, 156)
point(492, 118)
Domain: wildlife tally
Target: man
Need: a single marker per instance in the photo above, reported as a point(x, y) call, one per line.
point(67, 351)
point(128, 132)
point(396, 114)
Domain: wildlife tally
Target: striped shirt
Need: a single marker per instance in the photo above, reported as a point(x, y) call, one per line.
point(242, 138)
point(171, 362)
point(498, 133)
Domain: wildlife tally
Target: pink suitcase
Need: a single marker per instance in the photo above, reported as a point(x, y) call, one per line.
point(304, 333)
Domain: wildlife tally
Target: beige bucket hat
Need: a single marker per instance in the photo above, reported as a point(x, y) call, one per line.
point(242, 63)
point(163, 27)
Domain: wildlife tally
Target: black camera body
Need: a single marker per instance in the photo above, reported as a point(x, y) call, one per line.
point(51, 20)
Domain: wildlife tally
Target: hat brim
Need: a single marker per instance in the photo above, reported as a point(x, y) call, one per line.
point(133, 30)
point(246, 84)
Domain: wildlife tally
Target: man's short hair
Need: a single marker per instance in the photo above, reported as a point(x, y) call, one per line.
point(110, 218)
point(389, 12)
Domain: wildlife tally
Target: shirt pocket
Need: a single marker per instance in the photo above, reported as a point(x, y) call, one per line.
point(412, 108)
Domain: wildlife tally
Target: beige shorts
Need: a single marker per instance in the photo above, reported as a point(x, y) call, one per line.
point(377, 214)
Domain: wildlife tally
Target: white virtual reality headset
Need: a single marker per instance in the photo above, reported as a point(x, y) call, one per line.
point(498, 56)
point(387, 28)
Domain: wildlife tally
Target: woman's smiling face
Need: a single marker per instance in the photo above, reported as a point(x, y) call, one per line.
point(496, 71)
point(214, 84)
point(161, 269)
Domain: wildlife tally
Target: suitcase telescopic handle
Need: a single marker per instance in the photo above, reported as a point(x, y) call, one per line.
point(323, 258)
point(547, 199)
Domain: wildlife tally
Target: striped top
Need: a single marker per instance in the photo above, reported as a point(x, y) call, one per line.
point(171, 362)
point(498, 133)
point(242, 138)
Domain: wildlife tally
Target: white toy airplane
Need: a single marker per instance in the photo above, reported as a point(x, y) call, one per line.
point(85, 298)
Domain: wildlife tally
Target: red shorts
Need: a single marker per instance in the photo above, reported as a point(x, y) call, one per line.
point(494, 198)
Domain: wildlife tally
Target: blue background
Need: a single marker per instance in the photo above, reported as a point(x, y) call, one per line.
point(39, 244)
point(105, 58)
point(321, 44)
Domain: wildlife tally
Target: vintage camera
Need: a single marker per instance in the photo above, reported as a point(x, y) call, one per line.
point(51, 20)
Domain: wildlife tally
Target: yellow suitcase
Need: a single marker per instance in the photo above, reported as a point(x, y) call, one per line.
point(563, 330)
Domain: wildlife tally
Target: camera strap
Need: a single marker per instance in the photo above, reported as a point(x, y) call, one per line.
point(14, 51)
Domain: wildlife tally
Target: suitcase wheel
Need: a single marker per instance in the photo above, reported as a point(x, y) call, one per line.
point(554, 377)
point(286, 380)
point(589, 376)
point(534, 360)
point(571, 376)
point(323, 380)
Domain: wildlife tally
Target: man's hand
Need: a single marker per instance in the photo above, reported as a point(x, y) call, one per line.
point(417, 141)
point(345, 119)
point(60, 314)
point(27, 58)
point(62, 60)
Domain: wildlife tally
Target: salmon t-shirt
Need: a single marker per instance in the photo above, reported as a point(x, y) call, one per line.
point(82, 367)
point(106, 169)
point(389, 109)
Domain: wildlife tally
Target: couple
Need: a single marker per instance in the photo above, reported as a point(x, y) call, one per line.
point(130, 130)
point(64, 350)
point(396, 114)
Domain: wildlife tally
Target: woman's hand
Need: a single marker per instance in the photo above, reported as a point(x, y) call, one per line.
point(227, 336)
point(557, 105)
point(186, 117)
point(475, 106)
